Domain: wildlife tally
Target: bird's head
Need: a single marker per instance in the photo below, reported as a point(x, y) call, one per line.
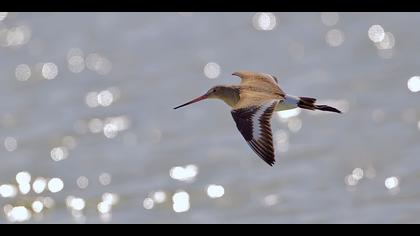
point(214, 92)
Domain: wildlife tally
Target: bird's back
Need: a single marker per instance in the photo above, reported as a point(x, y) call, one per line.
point(257, 88)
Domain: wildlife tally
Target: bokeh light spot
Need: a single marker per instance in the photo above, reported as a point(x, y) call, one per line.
point(329, 18)
point(49, 70)
point(413, 84)
point(181, 201)
point(376, 33)
point(55, 185)
point(215, 191)
point(23, 72)
point(264, 21)
point(334, 37)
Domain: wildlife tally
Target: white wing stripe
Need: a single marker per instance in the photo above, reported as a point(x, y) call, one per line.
point(256, 127)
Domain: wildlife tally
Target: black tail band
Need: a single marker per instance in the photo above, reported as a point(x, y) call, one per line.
point(326, 108)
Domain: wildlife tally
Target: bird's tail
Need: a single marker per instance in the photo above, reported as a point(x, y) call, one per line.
point(309, 104)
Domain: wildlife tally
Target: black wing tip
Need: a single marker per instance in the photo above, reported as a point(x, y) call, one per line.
point(271, 163)
point(327, 108)
point(269, 160)
point(308, 99)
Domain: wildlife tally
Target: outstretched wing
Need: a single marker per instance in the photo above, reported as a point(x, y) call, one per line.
point(261, 80)
point(254, 124)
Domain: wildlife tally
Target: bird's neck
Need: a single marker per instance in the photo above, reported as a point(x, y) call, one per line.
point(230, 95)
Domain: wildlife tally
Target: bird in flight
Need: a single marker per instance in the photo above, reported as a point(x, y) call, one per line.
point(253, 102)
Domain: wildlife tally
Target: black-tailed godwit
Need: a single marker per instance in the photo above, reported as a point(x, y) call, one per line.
point(253, 102)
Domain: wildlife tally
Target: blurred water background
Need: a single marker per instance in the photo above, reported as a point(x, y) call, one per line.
point(88, 133)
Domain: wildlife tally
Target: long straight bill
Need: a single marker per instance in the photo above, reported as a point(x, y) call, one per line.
point(192, 101)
